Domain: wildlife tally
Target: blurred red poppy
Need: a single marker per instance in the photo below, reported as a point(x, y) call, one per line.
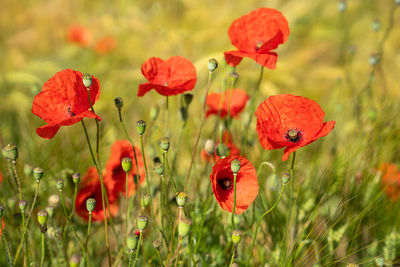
point(1, 177)
point(174, 76)
point(290, 121)
point(106, 45)
point(79, 35)
point(246, 184)
point(227, 140)
point(237, 97)
point(90, 187)
point(390, 180)
point(115, 173)
point(64, 101)
point(255, 35)
point(2, 222)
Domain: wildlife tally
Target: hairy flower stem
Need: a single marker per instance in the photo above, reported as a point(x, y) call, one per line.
point(126, 203)
point(137, 248)
point(259, 222)
point(42, 256)
point(87, 238)
point(234, 201)
point(14, 171)
point(199, 133)
point(130, 258)
point(234, 247)
point(3, 236)
point(74, 200)
point(27, 223)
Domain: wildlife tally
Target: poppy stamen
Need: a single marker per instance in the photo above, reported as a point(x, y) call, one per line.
point(225, 183)
point(258, 45)
point(72, 114)
point(294, 136)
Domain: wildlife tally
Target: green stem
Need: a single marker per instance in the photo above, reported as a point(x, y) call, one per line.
point(233, 255)
point(137, 249)
point(73, 204)
point(130, 259)
point(126, 203)
point(166, 114)
point(234, 201)
point(159, 257)
point(165, 156)
point(42, 257)
point(199, 133)
point(259, 222)
point(87, 237)
point(10, 259)
point(16, 177)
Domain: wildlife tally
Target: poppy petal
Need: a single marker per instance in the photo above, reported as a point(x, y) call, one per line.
point(47, 131)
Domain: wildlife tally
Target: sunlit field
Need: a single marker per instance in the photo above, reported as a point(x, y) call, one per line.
point(200, 133)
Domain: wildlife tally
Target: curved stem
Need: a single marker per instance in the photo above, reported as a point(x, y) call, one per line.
point(234, 201)
point(259, 222)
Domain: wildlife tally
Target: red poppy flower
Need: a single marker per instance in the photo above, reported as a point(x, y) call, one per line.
point(90, 187)
point(246, 184)
point(115, 173)
point(1, 177)
point(171, 77)
point(79, 35)
point(106, 45)
point(390, 180)
point(233, 150)
point(64, 101)
point(238, 99)
point(2, 222)
point(290, 121)
point(256, 34)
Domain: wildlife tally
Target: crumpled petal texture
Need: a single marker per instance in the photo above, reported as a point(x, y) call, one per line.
point(64, 101)
point(246, 184)
point(174, 76)
point(256, 34)
point(238, 100)
point(281, 113)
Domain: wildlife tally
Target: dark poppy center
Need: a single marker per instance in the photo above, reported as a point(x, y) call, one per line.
point(225, 183)
point(258, 45)
point(70, 113)
point(294, 136)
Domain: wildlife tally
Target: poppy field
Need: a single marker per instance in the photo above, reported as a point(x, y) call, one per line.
point(200, 133)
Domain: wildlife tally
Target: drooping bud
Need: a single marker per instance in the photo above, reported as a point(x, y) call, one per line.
point(132, 240)
point(158, 168)
point(235, 165)
point(187, 99)
point(10, 152)
point(22, 205)
point(164, 144)
point(221, 150)
point(285, 178)
point(42, 217)
point(87, 80)
point(76, 177)
point(142, 222)
point(50, 211)
point(90, 204)
point(236, 236)
point(209, 147)
point(119, 103)
point(233, 77)
point(212, 64)
point(184, 227)
point(28, 169)
point(60, 184)
point(157, 244)
point(145, 200)
point(38, 173)
point(126, 164)
point(74, 260)
point(141, 127)
point(181, 198)
point(154, 111)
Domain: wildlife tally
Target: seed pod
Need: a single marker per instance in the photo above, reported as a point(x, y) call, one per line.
point(126, 164)
point(181, 198)
point(235, 165)
point(119, 103)
point(90, 204)
point(141, 127)
point(142, 222)
point(236, 236)
point(184, 227)
point(212, 64)
point(42, 217)
point(38, 173)
point(87, 80)
point(76, 177)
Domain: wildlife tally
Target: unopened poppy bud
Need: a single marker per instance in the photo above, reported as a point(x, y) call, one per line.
point(285, 178)
point(126, 164)
point(187, 99)
point(209, 147)
point(10, 152)
point(42, 217)
point(221, 150)
point(157, 244)
point(154, 113)
point(50, 211)
point(235, 165)
point(132, 241)
point(342, 6)
point(145, 200)
point(28, 169)
point(376, 25)
point(87, 80)
point(38, 173)
point(184, 226)
point(76, 177)
point(54, 200)
point(119, 103)
point(1, 211)
point(74, 260)
point(158, 168)
point(184, 114)
point(181, 199)
point(22, 205)
point(142, 222)
point(212, 64)
point(60, 184)
point(234, 77)
point(90, 204)
point(141, 127)
point(374, 59)
point(164, 144)
point(236, 236)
